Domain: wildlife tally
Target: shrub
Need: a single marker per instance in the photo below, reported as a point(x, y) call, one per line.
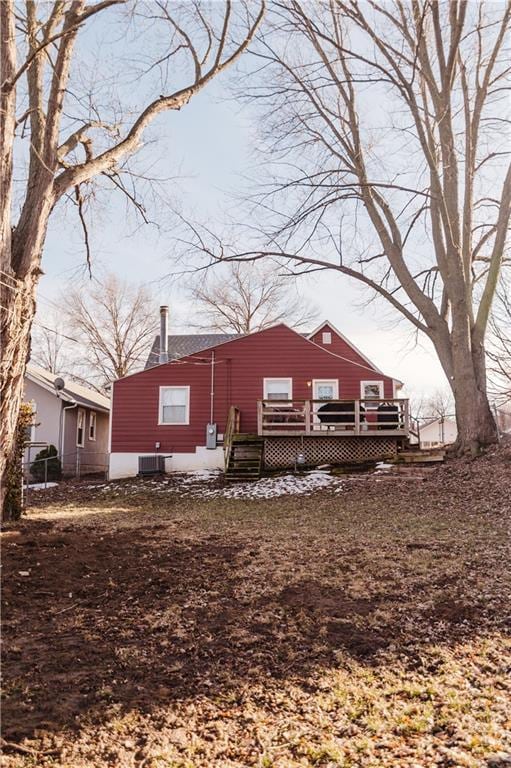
point(13, 477)
point(37, 469)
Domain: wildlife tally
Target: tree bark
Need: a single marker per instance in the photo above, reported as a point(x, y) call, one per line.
point(18, 307)
point(464, 365)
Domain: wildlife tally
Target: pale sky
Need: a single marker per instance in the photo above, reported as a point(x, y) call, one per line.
point(208, 147)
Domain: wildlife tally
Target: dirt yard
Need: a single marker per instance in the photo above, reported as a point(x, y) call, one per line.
point(364, 622)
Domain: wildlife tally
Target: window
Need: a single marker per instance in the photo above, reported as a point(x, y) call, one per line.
point(325, 389)
point(371, 390)
point(92, 425)
point(80, 428)
point(278, 389)
point(174, 405)
point(327, 337)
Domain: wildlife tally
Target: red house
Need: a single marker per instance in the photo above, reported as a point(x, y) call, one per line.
point(268, 399)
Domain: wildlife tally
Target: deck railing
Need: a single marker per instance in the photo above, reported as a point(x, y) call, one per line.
point(385, 417)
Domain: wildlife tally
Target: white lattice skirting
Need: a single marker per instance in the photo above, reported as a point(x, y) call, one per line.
point(283, 451)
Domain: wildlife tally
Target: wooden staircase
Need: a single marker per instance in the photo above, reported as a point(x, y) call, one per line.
point(243, 453)
point(245, 458)
point(416, 455)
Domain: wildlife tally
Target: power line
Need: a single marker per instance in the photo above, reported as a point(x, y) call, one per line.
point(57, 333)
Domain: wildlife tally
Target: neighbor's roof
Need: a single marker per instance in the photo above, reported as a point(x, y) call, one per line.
point(182, 345)
point(72, 391)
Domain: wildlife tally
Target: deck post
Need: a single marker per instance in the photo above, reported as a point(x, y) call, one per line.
point(307, 414)
point(259, 417)
point(406, 415)
point(357, 417)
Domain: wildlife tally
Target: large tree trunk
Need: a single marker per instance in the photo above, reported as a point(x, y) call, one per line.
point(476, 425)
point(18, 307)
point(463, 362)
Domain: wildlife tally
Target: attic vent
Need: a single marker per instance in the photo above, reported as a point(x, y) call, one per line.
point(151, 465)
point(327, 337)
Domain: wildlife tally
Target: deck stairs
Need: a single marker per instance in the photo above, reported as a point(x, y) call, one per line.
point(245, 457)
point(418, 455)
point(243, 452)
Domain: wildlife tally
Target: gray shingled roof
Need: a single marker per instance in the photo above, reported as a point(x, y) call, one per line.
point(181, 345)
point(72, 390)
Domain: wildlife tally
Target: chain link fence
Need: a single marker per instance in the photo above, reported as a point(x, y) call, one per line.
point(73, 465)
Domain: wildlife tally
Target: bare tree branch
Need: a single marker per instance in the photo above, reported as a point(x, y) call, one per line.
point(246, 298)
point(389, 116)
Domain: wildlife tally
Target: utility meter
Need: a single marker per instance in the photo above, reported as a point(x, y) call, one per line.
point(211, 436)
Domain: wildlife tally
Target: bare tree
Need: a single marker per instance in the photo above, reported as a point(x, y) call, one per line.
point(439, 405)
point(113, 324)
point(435, 404)
point(386, 136)
point(249, 297)
point(49, 346)
point(499, 346)
point(77, 131)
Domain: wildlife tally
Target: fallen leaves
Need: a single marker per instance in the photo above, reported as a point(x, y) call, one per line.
point(366, 628)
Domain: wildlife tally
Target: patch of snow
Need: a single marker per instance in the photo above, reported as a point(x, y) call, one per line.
point(382, 468)
point(195, 484)
point(384, 465)
point(272, 487)
point(200, 476)
point(41, 486)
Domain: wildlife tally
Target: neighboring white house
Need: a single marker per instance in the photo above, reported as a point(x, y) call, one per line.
point(443, 430)
point(437, 432)
point(503, 415)
point(72, 417)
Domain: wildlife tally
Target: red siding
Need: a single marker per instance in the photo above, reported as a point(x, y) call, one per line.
point(340, 347)
point(240, 367)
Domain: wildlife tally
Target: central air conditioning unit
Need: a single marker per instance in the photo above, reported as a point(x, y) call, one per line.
point(151, 465)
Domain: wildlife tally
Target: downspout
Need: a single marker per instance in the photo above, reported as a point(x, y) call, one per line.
point(110, 419)
point(212, 394)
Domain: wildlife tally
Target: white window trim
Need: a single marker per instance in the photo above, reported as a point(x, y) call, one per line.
point(278, 378)
point(326, 337)
point(380, 384)
point(84, 427)
point(326, 381)
point(185, 423)
point(91, 414)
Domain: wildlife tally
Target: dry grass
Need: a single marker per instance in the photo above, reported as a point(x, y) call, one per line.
point(361, 628)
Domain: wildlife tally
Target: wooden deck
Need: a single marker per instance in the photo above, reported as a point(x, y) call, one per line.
point(333, 418)
point(314, 432)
